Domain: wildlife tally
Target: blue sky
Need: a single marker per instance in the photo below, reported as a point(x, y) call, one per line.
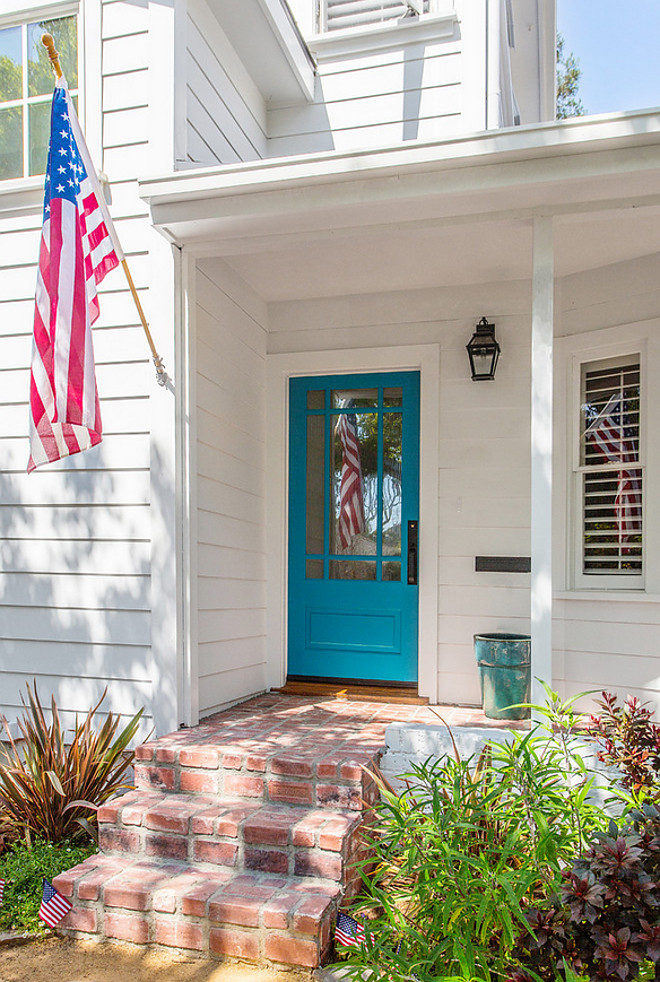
point(618, 47)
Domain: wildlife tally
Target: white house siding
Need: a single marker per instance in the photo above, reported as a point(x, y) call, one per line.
point(366, 98)
point(75, 580)
point(225, 113)
point(230, 450)
point(484, 468)
point(606, 640)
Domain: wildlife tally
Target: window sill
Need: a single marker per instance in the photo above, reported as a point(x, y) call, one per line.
point(22, 196)
point(610, 596)
point(380, 37)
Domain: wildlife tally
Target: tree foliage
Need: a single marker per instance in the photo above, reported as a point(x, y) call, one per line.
point(568, 82)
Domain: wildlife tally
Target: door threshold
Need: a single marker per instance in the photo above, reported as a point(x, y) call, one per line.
point(354, 691)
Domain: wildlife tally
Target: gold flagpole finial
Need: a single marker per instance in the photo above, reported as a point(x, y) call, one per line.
point(49, 45)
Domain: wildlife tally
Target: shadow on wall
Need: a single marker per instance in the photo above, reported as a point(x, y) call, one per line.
point(75, 583)
point(413, 74)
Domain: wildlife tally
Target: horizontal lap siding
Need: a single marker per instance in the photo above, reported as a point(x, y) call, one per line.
point(75, 555)
point(484, 476)
point(611, 642)
point(225, 122)
point(374, 99)
point(231, 486)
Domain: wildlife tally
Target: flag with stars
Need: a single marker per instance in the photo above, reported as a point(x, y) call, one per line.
point(78, 247)
point(53, 905)
point(348, 931)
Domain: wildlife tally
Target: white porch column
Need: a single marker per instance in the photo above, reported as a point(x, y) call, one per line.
point(541, 418)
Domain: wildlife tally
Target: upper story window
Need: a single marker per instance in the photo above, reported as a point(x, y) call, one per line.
point(610, 473)
point(26, 89)
point(336, 15)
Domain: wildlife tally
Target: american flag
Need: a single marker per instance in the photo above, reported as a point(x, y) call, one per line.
point(2, 889)
point(53, 905)
point(351, 500)
point(78, 247)
point(608, 435)
point(348, 931)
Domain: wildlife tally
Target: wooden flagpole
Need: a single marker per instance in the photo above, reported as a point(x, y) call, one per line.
point(161, 375)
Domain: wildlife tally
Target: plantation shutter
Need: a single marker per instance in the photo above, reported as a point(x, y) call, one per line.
point(611, 470)
point(340, 14)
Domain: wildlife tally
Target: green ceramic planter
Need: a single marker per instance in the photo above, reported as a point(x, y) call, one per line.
point(504, 662)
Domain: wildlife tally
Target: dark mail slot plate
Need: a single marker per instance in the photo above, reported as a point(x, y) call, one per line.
point(502, 564)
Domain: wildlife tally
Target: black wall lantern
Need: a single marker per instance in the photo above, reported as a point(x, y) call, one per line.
point(483, 351)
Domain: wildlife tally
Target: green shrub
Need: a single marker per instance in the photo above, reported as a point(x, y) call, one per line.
point(51, 783)
point(467, 848)
point(23, 868)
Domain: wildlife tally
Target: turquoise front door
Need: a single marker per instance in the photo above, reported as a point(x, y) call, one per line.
point(353, 527)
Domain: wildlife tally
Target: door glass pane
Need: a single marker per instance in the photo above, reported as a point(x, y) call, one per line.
point(392, 431)
point(354, 399)
point(11, 143)
point(316, 399)
point(354, 483)
point(314, 569)
point(391, 571)
point(352, 569)
point(11, 84)
point(315, 483)
point(393, 396)
point(40, 73)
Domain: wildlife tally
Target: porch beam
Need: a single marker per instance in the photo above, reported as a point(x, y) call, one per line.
point(541, 451)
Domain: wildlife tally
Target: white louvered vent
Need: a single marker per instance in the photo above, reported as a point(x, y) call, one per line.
point(336, 15)
point(612, 472)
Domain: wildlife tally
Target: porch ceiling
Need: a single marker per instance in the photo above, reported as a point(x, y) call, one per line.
point(416, 257)
point(457, 212)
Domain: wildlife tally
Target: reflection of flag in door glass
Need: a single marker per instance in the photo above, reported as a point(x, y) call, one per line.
point(351, 497)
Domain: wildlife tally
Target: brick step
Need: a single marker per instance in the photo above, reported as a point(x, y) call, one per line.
point(236, 834)
point(253, 915)
point(314, 777)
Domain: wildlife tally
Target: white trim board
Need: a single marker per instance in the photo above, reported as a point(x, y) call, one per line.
point(424, 358)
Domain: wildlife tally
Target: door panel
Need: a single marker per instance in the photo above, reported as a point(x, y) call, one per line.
point(353, 489)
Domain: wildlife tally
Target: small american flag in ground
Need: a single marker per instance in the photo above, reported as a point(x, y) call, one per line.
point(53, 905)
point(348, 931)
point(2, 889)
point(78, 247)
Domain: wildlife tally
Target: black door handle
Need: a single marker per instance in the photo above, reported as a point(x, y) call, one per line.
point(412, 553)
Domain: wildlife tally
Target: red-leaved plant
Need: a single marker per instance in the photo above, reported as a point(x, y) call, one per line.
point(629, 740)
point(53, 779)
point(606, 922)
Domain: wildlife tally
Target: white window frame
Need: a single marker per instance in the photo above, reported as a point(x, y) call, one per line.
point(22, 20)
point(416, 6)
point(604, 357)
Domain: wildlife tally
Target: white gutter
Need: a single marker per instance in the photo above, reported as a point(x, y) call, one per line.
point(565, 138)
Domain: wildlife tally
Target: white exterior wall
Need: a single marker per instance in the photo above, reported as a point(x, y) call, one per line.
point(230, 354)
point(608, 639)
point(225, 112)
point(484, 463)
point(399, 83)
point(601, 639)
point(75, 580)
point(88, 552)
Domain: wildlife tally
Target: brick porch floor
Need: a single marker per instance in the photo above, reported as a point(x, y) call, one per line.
point(240, 836)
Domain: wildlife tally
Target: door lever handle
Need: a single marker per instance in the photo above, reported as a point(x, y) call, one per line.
point(412, 552)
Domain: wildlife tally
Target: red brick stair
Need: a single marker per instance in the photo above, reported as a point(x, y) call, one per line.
point(239, 839)
point(235, 834)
